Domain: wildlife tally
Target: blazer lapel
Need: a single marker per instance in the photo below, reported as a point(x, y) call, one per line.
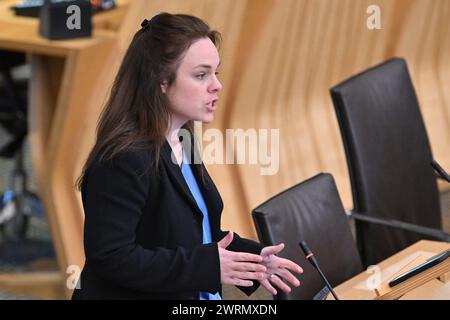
point(209, 191)
point(177, 178)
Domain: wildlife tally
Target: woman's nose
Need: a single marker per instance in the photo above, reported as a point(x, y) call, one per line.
point(216, 85)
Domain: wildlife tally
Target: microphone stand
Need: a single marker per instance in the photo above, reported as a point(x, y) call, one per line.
point(310, 257)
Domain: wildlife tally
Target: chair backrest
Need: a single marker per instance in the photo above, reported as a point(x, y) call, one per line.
point(310, 211)
point(388, 156)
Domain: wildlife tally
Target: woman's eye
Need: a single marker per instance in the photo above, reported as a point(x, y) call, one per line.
point(200, 76)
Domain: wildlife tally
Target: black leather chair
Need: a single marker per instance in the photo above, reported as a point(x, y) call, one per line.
point(310, 211)
point(395, 195)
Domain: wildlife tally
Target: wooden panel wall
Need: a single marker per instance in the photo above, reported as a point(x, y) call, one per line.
point(302, 48)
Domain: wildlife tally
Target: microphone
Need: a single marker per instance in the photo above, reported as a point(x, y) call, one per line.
point(310, 257)
point(440, 171)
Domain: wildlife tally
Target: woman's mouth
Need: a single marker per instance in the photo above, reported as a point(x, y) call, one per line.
point(212, 105)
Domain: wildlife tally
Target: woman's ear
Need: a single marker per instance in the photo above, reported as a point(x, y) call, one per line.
point(163, 86)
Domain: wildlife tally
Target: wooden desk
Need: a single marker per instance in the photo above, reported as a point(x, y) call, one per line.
point(21, 33)
point(109, 19)
point(361, 287)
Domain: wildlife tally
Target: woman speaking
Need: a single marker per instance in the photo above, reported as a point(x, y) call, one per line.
point(152, 218)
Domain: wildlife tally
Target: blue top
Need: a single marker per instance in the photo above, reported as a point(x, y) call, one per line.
point(195, 190)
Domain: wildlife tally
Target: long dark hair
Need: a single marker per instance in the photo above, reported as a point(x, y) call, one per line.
point(137, 110)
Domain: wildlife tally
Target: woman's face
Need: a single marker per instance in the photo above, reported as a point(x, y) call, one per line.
point(193, 94)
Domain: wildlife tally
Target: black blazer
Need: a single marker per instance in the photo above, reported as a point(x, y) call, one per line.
point(143, 231)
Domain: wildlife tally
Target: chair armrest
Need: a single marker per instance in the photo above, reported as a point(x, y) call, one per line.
point(439, 234)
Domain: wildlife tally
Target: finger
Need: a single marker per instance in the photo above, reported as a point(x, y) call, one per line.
point(266, 251)
point(288, 264)
point(241, 282)
point(266, 284)
point(279, 283)
point(246, 266)
point(225, 242)
point(285, 274)
point(244, 256)
point(248, 275)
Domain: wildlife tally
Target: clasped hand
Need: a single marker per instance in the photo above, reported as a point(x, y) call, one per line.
point(240, 268)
